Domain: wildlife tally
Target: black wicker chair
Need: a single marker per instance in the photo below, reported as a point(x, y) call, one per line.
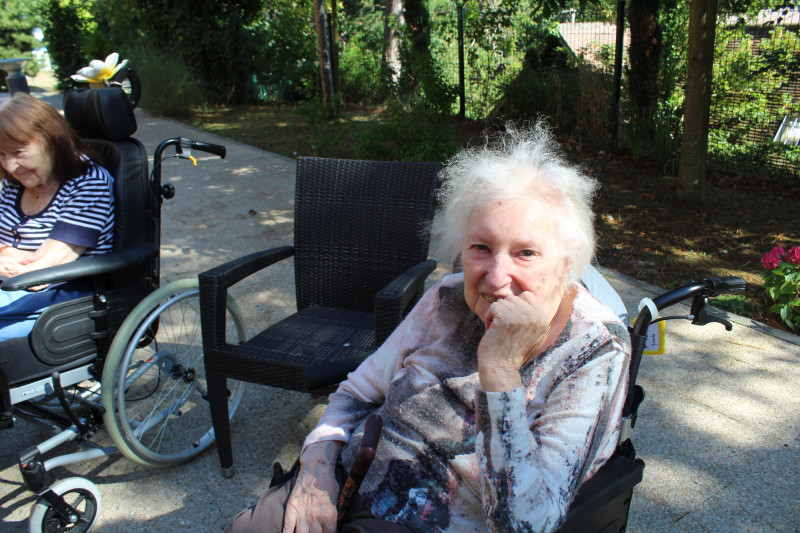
point(361, 259)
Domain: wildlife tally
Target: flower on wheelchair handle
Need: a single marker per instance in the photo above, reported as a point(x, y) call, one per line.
point(782, 281)
point(99, 73)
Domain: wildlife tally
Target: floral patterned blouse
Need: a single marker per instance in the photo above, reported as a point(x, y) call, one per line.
point(453, 457)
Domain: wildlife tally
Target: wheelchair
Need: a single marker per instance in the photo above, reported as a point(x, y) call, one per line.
point(128, 357)
point(602, 503)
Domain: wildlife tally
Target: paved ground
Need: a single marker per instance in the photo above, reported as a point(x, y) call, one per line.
point(719, 429)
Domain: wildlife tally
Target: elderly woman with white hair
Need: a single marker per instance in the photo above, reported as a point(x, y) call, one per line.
point(501, 391)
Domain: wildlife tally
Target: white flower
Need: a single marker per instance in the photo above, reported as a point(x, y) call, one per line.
point(100, 72)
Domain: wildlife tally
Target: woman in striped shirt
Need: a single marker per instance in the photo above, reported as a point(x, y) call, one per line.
point(56, 205)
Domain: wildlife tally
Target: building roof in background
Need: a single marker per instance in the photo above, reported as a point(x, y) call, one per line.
point(766, 19)
point(588, 39)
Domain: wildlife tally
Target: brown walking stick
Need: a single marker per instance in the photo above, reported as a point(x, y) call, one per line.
point(364, 457)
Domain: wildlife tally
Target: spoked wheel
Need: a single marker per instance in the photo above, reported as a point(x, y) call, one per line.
point(154, 387)
point(81, 494)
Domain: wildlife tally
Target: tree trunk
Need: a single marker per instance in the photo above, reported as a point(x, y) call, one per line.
point(697, 103)
point(644, 53)
point(322, 52)
point(393, 23)
point(337, 78)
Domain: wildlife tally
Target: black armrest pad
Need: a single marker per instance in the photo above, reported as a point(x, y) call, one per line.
point(236, 270)
point(331, 374)
point(214, 286)
point(618, 475)
point(84, 268)
point(393, 301)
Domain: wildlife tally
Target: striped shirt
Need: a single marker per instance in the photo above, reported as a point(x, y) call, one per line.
point(81, 213)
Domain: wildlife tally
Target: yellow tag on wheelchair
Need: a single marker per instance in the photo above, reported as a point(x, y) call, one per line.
point(655, 340)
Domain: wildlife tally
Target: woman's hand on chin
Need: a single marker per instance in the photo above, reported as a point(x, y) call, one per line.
point(515, 324)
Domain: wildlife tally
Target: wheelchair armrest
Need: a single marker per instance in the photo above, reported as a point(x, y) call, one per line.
point(214, 285)
point(604, 497)
point(393, 301)
point(84, 268)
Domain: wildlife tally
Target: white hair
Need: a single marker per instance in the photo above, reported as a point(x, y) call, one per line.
point(518, 163)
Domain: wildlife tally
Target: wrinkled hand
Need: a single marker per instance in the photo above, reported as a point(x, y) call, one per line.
point(515, 324)
point(16, 253)
point(311, 507)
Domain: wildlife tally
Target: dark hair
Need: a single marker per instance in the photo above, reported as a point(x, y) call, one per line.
point(24, 118)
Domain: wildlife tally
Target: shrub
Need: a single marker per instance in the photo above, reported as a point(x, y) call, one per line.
point(326, 133)
point(364, 80)
point(65, 32)
point(418, 133)
point(782, 281)
point(169, 87)
point(289, 49)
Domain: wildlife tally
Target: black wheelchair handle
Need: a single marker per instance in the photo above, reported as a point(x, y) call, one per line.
point(699, 292)
point(705, 288)
point(727, 285)
point(216, 149)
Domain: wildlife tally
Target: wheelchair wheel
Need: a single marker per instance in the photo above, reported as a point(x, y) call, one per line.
point(78, 492)
point(154, 388)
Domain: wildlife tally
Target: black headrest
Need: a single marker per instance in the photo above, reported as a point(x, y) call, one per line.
point(104, 112)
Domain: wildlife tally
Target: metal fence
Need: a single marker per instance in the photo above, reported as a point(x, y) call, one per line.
point(569, 78)
point(755, 114)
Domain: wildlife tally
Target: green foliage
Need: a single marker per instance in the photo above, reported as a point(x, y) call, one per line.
point(491, 54)
point(289, 49)
point(364, 80)
point(169, 86)
point(577, 101)
point(782, 284)
point(416, 133)
point(65, 30)
point(736, 303)
point(655, 133)
point(113, 27)
point(17, 20)
point(674, 21)
point(222, 43)
point(326, 133)
point(749, 96)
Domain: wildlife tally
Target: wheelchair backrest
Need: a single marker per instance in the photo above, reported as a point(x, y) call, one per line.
point(105, 120)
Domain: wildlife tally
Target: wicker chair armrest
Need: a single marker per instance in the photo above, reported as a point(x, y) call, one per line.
point(84, 268)
point(394, 301)
point(214, 285)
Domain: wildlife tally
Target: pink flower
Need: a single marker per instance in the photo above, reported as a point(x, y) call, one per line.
point(793, 255)
point(772, 259)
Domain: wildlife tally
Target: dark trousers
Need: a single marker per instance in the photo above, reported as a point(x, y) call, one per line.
point(267, 515)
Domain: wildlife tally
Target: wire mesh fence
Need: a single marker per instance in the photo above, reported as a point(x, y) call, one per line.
point(569, 77)
point(756, 103)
